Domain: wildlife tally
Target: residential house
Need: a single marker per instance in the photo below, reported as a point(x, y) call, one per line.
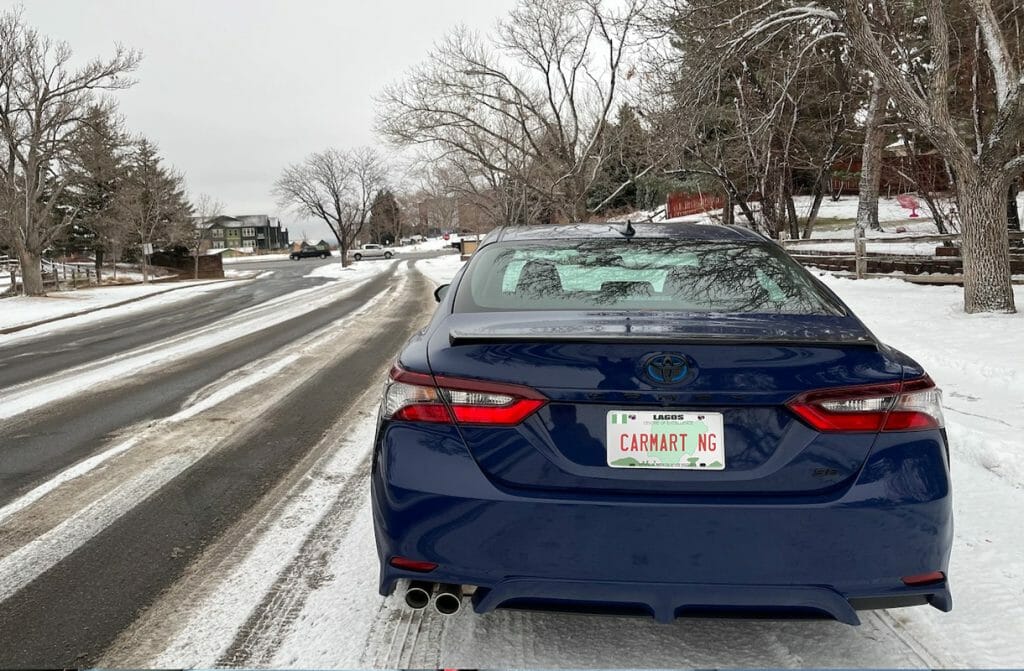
point(249, 231)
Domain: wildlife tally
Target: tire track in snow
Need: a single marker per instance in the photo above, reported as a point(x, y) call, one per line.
point(268, 626)
point(402, 638)
point(895, 628)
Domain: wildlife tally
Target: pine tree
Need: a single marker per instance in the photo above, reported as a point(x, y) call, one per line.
point(385, 218)
point(152, 201)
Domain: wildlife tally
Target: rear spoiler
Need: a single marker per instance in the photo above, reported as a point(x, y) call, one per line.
point(456, 337)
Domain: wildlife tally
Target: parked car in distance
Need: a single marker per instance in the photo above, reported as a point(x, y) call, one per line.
point(370, 252)
point(309, 253)
point(667, 419)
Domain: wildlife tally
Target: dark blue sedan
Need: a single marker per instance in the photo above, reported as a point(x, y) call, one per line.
point(667, 420)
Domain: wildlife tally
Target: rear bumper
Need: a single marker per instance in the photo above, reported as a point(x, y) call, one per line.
point(799, 555)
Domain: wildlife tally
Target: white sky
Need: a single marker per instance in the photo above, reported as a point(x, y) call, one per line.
point(232, 91)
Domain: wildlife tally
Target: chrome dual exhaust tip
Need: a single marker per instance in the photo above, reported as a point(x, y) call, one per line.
point(418, 595)
point(448, 599)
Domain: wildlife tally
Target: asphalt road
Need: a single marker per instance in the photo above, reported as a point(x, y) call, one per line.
point(234, 454)
point(47, 355)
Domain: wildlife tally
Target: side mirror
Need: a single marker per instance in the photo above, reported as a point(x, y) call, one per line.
point(439, 293)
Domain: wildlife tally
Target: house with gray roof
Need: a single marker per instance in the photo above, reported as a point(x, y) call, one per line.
point(246, 231)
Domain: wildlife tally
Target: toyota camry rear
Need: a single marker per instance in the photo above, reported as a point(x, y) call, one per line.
point(663, 420)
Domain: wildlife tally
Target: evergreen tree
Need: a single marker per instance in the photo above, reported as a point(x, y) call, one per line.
point(385, 218)
point(152, 201)
point(99, 170)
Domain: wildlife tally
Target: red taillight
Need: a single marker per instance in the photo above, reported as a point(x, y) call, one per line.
point(413, 564)
point(417, 397)
point(924, 578)
point(898, 406)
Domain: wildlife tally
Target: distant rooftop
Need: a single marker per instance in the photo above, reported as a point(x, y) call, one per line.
point(241, 221)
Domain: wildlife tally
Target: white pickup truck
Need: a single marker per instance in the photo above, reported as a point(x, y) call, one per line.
point(370, 252)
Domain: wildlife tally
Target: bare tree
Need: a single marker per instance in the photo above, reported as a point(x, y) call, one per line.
point(205, 209)
point(984, 166)
point(44, 99)
point(336, 186)
point(755, 120)
point(528, 107)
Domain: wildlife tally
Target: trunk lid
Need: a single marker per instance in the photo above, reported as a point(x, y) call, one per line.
point(590, 364)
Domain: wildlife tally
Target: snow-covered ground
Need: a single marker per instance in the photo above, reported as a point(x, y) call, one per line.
point(26, 310)
point(357, 272)
point(889, 211)
point(441, 269)
point(229, 260)
point(431, 244)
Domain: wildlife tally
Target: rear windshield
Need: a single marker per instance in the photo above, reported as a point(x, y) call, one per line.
point(673, 275)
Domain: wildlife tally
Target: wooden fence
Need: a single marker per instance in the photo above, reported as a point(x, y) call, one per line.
point(682, 204)
point(55, 275)
point(943, 266)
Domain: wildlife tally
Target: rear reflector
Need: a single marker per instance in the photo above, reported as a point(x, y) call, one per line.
point(899, 406)
point(418, 397)
point(412, 564)
point(924, 578)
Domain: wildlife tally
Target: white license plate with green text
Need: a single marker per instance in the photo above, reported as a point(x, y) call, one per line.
point(666, 439)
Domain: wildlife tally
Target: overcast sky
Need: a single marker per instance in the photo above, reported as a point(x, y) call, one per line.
point(232, 91)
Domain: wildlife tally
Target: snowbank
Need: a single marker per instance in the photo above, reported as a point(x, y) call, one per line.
point(440, 270)
point(357, 272)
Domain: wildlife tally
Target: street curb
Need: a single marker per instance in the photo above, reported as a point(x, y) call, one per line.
point(22, 327)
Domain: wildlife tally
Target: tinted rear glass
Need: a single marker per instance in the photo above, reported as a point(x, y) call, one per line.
point(673, 275)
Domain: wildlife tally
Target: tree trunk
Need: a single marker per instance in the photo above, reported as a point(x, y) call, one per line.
point(343, 247)
point(728, 215)
point(812, 217)
point(733, 194)
point(937, 217)
point(1012, 214)
point(195, 274)
point(794, 223)
point(99, 266)
point(985, 247)
point(31, 273)
point(748, 213)
point(871, 160)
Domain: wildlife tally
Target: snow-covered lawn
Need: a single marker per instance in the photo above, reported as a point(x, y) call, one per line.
point(21, 310)
point(836, 218)
point(441, 269)
point(431, 245)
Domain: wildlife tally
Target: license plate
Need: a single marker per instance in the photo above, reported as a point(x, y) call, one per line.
point(666, 439)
